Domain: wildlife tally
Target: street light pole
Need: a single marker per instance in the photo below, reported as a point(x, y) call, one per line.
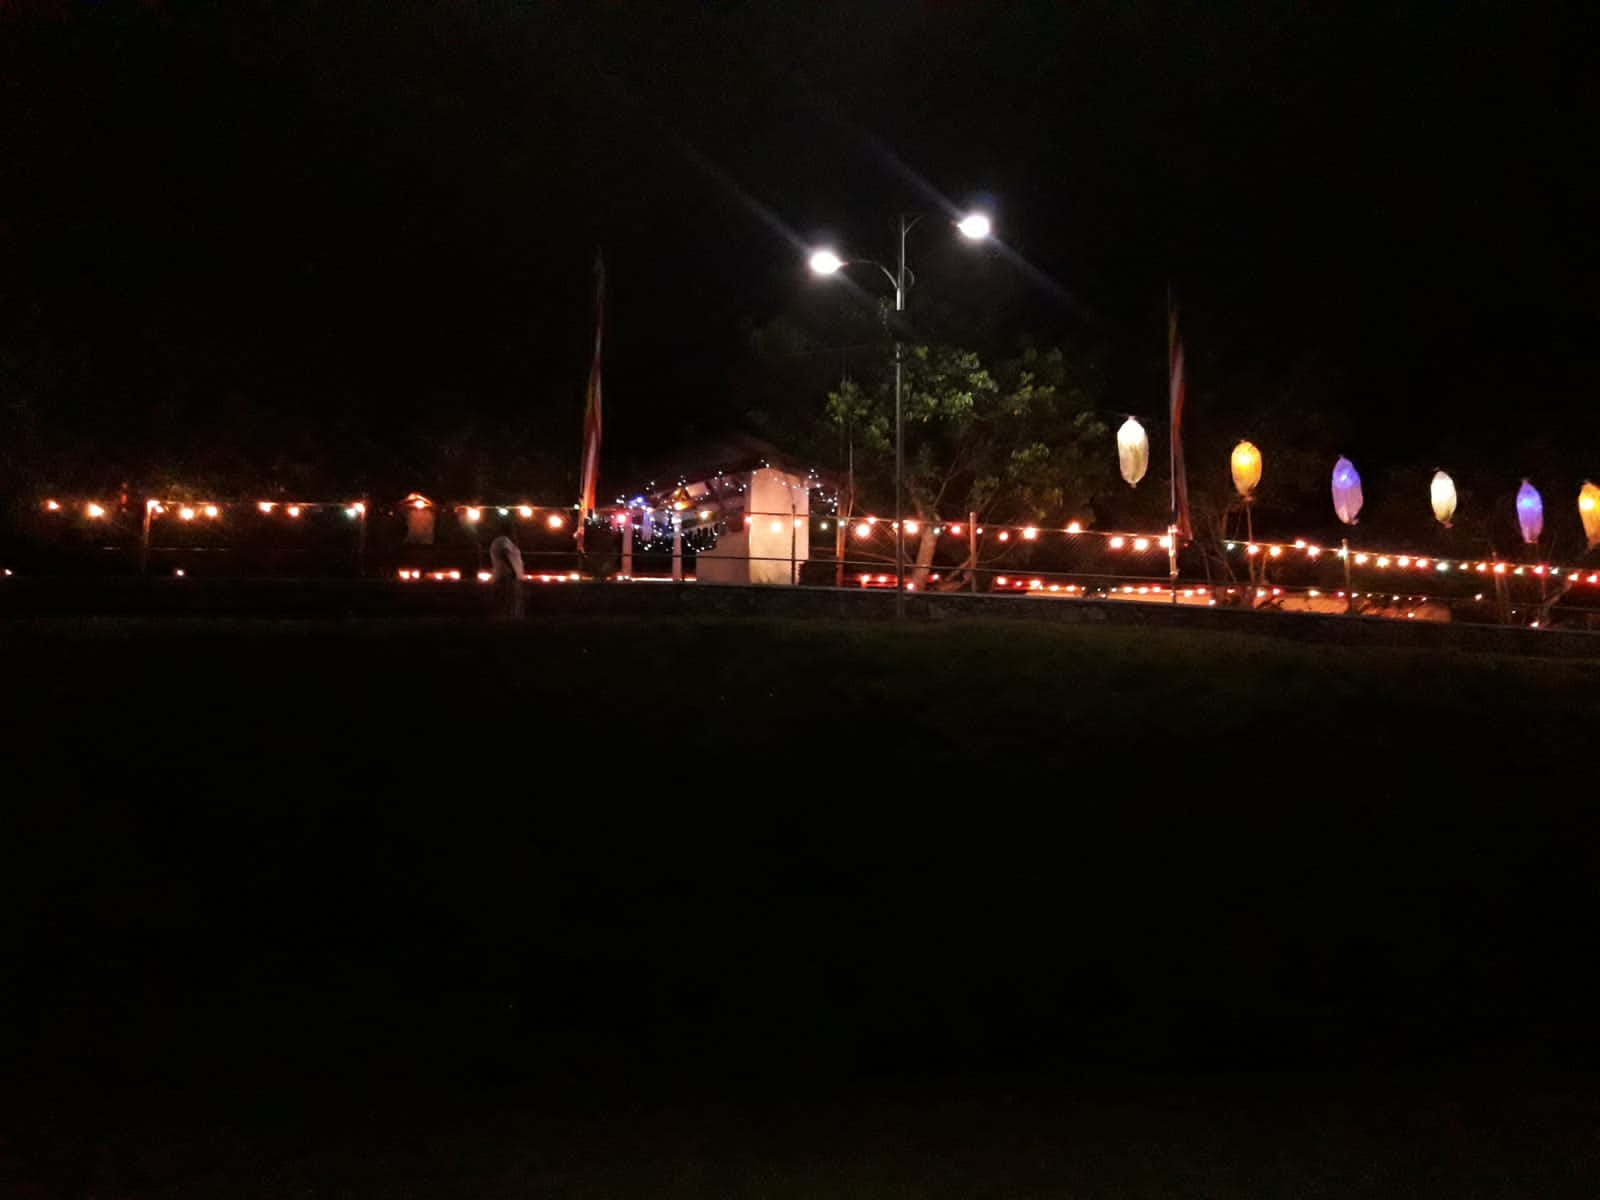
point(899, 434)
point(975, 227)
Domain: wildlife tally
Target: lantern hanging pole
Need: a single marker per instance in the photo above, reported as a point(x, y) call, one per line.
point(1250, 540)
point(972, 547)
point(1349, 593)
point(144, 535)
point(361, 537)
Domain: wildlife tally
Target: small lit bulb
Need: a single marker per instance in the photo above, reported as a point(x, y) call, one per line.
point(525, 511)
point(912, 527)
point(777, 527)
point(1275, 552)
point(1030, 533)
point(474, 515)
point(1005, 535)
point(265, 506)
point(52, 506)
point(94, 511)
point(554, 521)
point(863, 530)
point(293, 510)
point(212, 511)
point(1252, 548)
point(1141, 544)
point(1074, 527)
point(1117, 543)
point(186, 513)
point(419, 503)
point(955, 530)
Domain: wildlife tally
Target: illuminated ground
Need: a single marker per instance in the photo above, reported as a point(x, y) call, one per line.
point(793, 862)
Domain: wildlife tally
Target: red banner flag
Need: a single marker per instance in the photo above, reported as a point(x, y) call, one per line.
point(1175, 386)
point(589, 470)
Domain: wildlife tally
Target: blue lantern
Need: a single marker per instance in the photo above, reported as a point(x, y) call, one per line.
point(1346, 491)
point(1530, 512)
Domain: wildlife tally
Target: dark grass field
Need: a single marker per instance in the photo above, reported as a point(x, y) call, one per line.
point(751, 908)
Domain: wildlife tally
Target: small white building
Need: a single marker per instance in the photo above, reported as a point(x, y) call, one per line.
point(759, 506)
point(767, 537)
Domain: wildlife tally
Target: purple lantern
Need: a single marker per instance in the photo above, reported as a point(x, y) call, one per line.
point(1346, 491)
point(1530, 512)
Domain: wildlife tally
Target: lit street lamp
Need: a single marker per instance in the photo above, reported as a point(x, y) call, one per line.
point(974, 227)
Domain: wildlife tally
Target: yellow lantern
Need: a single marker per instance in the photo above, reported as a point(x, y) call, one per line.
point(1589, 511)
point(1133, 451)
point(1442, 491)
point(1246, 464)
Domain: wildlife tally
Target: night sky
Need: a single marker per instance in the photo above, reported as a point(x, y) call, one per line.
point(340, 230)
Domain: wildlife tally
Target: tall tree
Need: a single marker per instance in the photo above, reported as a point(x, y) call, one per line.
point(1016, 441)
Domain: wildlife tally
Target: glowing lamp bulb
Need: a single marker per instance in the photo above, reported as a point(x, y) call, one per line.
point(975, 226)
point(52, 506)
point(1074, 527)
point(825, 262)
point(186, 513)
point(293, 510)
point(1005, 536)
point(1141, 544)
point(474, 515)
point(863, 530)
point(956, 530)
point(211, 511)
point(94, 511)
point(1117, 543)
point(912, 527)
point(777, 527)
point(554, 521)
point(525, 511)
point(1030, 533)
point(265, 506)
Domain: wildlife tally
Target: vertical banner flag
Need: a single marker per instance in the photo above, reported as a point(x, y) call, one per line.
point(1180, 480)
point(589, 470)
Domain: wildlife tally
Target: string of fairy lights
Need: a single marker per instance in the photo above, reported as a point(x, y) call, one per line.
point(657, 530)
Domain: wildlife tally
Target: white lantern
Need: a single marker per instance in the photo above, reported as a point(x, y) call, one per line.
point(1442, 492)
point(1347, 499)
point(1133, 451)
point(1530, 512)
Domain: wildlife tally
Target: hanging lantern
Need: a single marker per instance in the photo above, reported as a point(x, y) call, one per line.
point(1530, 512)
point(1442, 491)
point(1347, 499)
point(1133, 451)
point(1246, 463)
point(1589, 512)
